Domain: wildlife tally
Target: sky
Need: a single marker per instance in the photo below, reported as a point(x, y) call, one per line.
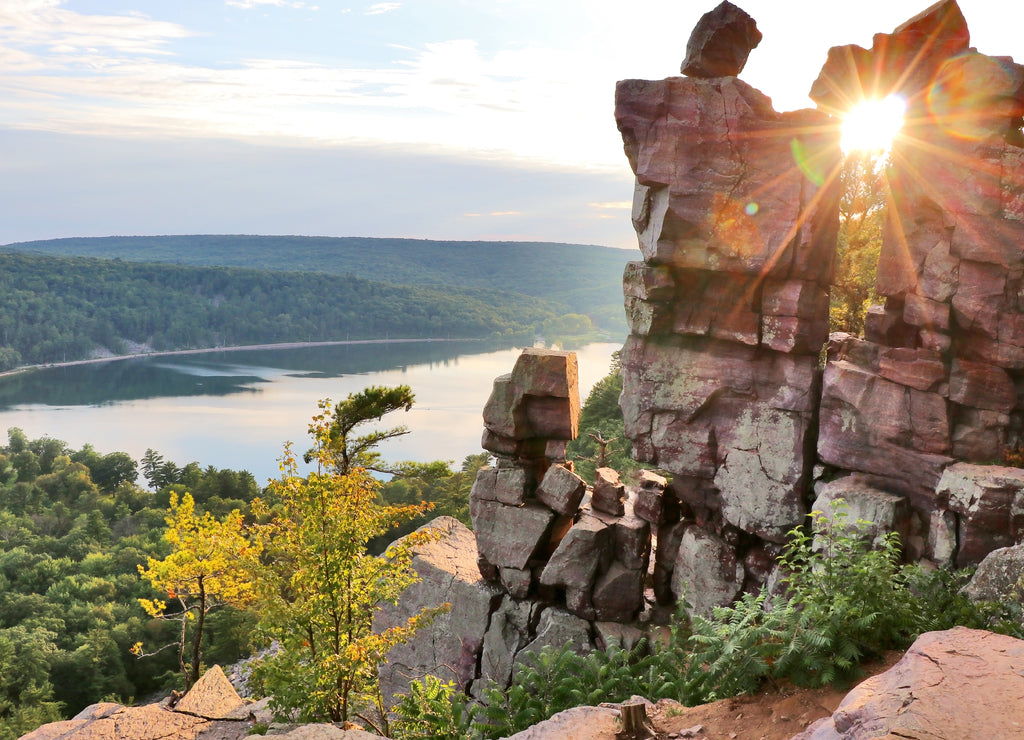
point(437, 119)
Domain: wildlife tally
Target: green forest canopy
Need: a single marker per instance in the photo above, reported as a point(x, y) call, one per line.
point(579, 278)
point(56, 308)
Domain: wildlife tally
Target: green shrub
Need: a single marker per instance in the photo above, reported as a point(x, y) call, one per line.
point(432, 710)
point(937, 598)
point(846, 598)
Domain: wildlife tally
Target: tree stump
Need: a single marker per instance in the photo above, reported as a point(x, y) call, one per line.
point(634, 721)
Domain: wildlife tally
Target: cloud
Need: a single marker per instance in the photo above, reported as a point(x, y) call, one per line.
point(46, 36)
point(119, 75)
point(381, 8)
point(98, 186)
point(276, 3)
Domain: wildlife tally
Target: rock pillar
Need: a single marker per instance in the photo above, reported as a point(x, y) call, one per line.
point(735, 209)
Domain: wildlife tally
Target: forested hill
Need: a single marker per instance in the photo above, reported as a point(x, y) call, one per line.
point(65, 308)
point(579, 278)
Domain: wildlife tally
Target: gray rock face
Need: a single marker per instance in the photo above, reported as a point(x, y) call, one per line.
point(960, 683)
point(618, 593)
point(720, 43)
point(588, 547)
point(450, 645)
point(558, 628)
point(706, 573)
point(508, 633)
point(864, 506)
point(509, 536)
point(989, 501)
point(999, 575)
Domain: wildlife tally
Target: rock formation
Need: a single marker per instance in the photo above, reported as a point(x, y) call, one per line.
point(737, 221)
point(449, 647)
point(736, 213)
point(731, 382)
point(937, 378)
point(720, 43)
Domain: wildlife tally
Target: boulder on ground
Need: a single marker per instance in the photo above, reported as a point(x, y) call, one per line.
point(707, 572)
point(212, 697)
point(960, 683)
point(580, 723)
point(999, 576)
point(150, 722)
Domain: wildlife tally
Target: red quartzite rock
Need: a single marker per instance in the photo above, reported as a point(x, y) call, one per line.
point(961, 683)
point(902, 62)
point(989, 500)
point(538, 400)
point(720, 42)
point(649, 497)
point(717, 186)
point(872, 425)
point(561, 490)
point(608, 492)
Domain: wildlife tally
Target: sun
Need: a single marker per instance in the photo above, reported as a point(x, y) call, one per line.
point(872, 125)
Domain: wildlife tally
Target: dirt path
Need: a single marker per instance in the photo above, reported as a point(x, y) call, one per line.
point(776, 713)
point(169, 353)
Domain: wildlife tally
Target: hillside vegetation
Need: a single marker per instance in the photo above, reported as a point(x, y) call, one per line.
point(55, 308)
point(584, 279)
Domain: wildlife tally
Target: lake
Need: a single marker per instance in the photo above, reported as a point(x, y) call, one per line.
point(237, 409)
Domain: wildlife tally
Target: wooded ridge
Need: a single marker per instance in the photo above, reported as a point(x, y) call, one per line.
point(580, 278)
point(56, 308)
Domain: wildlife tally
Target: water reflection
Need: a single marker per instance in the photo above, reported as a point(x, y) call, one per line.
point(237, 409)
point(217, 373)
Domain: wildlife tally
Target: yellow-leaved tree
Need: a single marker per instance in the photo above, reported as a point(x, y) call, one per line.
point(318, 586)
point(210, 565)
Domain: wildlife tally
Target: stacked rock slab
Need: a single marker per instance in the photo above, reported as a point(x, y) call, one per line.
point(940, 374)
point(569, 558)
point(735, 208)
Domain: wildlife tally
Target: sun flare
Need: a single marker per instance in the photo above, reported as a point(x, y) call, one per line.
point(872, 125)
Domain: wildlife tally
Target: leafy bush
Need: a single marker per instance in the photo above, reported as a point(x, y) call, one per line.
point(432, 710)
point(937, 598)
point(846, 599)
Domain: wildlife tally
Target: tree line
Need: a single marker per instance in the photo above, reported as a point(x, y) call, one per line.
point(55, 309)
point(578, 278)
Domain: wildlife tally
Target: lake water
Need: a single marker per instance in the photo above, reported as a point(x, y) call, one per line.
point(237, 409)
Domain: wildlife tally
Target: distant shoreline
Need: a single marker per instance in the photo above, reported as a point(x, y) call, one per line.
point(207, 350)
